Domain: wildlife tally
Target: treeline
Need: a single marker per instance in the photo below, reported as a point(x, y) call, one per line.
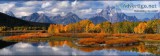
point(5, 28)
point(87, 26)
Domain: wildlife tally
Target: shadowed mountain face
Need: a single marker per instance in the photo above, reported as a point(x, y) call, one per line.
point(110, 13)
point(56, 19)
point(67, 19)
point(145, 19)
point(70, 18)
point(35, 17)
point(97, 19)
point(9, 13)
point(6, 20)
point(156, 16)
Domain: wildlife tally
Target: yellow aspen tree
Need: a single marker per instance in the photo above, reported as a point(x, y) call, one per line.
point(141, 28)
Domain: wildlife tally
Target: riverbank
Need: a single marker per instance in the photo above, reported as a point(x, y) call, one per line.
point(87, 39)
point(23, 31)
point(26, 36)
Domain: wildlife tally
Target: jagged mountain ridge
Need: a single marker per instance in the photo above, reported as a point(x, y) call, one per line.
point(10, 13)
point(10, 21)
point(67, 19)
point(35, 17)
point(110, 13)
point(113, 14)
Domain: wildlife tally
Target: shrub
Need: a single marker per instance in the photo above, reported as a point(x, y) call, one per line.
point(91, 41)
point(121, 41)
point(25, 36)
point(152, 36)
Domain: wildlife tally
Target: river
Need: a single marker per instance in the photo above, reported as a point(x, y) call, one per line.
point(69, 48)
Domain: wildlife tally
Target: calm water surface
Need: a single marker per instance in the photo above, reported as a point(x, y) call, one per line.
point(69, 48)
point(45, 48)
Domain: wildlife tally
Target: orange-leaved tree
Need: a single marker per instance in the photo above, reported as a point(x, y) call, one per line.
point(53, 28)
point(140, 28)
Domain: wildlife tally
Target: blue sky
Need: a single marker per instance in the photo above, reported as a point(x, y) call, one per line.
point(83, 9)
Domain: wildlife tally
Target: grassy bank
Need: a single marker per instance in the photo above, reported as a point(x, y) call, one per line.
point(80, 35)
point(23, 31)
point(122, 41)
point(87, 39)
point(53, 38)
point(26, 36)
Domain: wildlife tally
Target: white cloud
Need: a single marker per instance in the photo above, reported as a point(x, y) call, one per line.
point(23, 11)
point(31, 3)
point(40, 12)
point(24, 8)
point(46, 4)
point(63, 13)
point(86, 10)
point(20, 14)
point(82, 5)
point(110, 3)
point(6, 6)
point(55, 10)
point(98, 10)
point(63, 4)
point(74, 3)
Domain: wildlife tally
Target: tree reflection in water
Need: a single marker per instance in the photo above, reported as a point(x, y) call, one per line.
point(69, 48)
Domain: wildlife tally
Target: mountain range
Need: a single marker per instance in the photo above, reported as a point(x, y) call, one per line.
point(35, 17)
point(9, 13)
point(10, 21)
point(157, 16)
point(68, 18)
point(110, 13)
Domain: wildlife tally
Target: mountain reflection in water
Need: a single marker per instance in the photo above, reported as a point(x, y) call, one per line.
point(66, 48)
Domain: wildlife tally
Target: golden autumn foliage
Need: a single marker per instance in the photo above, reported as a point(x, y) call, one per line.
point(84, 26)
point(26, 36)
point(87, 26)
point(140, 28)
point(56, 28)
point(98, 28)
point(106, 27)
point(50, 29)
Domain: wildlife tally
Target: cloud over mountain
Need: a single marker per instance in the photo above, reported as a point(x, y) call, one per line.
point(83, 9)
